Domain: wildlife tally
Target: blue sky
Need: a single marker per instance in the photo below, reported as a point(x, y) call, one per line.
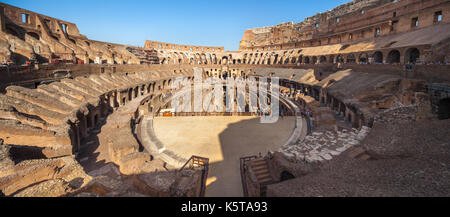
point(190, 22)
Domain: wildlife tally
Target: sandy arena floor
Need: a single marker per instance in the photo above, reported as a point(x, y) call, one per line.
point(223, 140)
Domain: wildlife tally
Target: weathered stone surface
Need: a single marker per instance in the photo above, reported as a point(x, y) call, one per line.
point(50, 188)
point(135, 163)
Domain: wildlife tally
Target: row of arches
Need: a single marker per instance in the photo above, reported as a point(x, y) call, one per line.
point(410, 55)
point(195, 58)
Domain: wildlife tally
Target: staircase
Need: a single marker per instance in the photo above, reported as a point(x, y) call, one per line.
point(261, 170)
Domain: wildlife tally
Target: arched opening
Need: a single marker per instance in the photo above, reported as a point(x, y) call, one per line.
point(378, 57)
point(130, 94)
point(285, 175)
point(323, 59)
point(275, 59)
point(331, 59)
point(393, 57)
point(293, 60)
point(363, 58)
point(444, 109)
point(306, 60)
point(340, 59)
point(351, 58)
point(224, 60)
point(314, 60)
point(412, 55)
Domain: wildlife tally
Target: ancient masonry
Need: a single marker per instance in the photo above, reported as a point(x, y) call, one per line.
point(367, 84)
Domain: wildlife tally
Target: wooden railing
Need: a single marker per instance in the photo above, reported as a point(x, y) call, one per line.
point(243, 162)
point(196, 162)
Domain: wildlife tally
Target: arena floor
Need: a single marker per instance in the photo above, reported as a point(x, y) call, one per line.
point(223, 140)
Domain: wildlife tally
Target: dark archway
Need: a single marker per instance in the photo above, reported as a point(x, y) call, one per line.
point(393, 57)
point(331, 59)
point(363, 58)
point(285, 175)
point(412, 55)
point(351, 58)
point(323, 59)
point(130, 94)
point(306, 60)
point(314, 60)
point(293, 60)
point(378, 57)
point(444, 109)
point(340, 59)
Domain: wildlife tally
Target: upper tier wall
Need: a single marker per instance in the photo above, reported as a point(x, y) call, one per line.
point(360, 21)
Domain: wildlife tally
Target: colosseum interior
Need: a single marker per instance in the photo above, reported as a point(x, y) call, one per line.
point(364, 106)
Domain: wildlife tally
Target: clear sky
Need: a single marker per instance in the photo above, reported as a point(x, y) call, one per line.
point(190, 22)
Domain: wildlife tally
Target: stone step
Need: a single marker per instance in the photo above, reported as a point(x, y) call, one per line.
point(258, 162)
point(364, 157)
point(261, 171)
point(258, 167)
point(263, 176)
point(356, 152)
point(266, 180)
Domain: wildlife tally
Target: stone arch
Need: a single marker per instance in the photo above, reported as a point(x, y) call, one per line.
point(393, 57)
point(285, 175)
point(340, 59)
point(331, 59)
point(351, 58)
point(293, 60)
point(363, 58)
point(412, 55)
point(214, 59)
point(323, 59)
point(377, 57)
point(307, 60)
point(275, 59)
point(224, 60)
point(130, 94)
point(314, 60)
